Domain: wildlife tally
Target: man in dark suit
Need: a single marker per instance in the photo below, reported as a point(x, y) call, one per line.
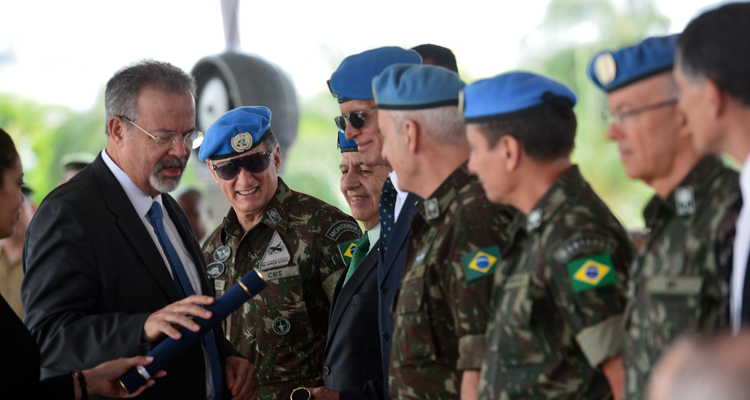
point(351, 85)
point(112, 266)
point(352, 369)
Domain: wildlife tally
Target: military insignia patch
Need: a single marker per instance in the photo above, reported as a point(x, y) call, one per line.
point(592, 272)
point(481, 263)
point(340, 227)
point(215, 269)
point(276, 255)
point(431, 209)
point(605, 68)
point(593, 243)
point(534, 219)
point(684, 198)
point(222, 253)
point(347, 250)
point(242, 142)
point(275, 217)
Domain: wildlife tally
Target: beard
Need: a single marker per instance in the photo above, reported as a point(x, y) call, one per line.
point(167, 183)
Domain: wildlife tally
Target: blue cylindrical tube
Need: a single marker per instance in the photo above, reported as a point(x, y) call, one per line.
point(250, 284)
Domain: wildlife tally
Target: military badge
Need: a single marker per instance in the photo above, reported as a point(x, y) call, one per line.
point(431, 209)
point(592, 272)
point(282, 326)
point(215, 269)
point(481, 263)
point(684, 198)
point(605, 68)
point(340, 227)
point(534, 219)
point(222, 254)
point(276, 255)
point(275, 217)
point(242, 142)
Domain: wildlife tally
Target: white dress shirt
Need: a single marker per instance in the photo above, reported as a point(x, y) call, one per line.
point(142, 204)
point(741, 248)
point(400, 196)
point(373, 235)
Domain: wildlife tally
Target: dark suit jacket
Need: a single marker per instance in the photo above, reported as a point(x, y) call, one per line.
point(390, 272)
point(93, 276)
point(352, 355)
point(19, 369)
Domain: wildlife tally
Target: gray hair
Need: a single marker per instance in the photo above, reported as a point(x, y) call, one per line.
point(121, 94)
point(444, 124)
point(270, 142)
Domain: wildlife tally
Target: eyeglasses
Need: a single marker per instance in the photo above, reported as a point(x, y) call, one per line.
point(191, 139)
point(253, 163)
point(620, 118)
point(356, 119)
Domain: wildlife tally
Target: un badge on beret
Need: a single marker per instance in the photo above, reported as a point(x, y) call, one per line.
point(242, 142)
point(606, 68)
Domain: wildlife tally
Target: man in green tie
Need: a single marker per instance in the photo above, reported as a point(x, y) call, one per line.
point(353, 335)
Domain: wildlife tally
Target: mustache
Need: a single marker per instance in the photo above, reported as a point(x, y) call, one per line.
point(171, 163)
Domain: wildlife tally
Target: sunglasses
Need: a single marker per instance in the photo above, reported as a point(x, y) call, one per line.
point(356, 119)
point(253, 163)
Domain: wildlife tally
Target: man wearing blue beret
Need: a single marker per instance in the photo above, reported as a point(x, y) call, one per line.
point(683, 268)
point(457, 237)
point(289, 237)
point(560, 291)
point(351, 85)
point(712, 73)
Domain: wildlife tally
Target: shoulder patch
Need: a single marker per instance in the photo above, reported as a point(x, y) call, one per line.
point(592, 272)
point(481, 263)
point(347, 250)
point(276, 254)
point(340, 227)
point(572, 247)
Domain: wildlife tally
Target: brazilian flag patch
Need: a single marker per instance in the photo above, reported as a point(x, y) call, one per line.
point(592, 272)
point(347, 250)
point(481, 263)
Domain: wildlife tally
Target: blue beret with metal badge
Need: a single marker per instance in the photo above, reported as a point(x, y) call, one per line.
point(237, 131)
point(416, 87)
point(352, 80)
point(512, 94)
point(346, 146)
point(612, 70)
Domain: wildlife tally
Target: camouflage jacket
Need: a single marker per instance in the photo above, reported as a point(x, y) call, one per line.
point(283, 330)
point(558, 299)
point(442, 307)
point(676, 283)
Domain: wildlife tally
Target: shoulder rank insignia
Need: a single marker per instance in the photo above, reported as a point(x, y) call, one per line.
point(347, 250)
point(684, 198)
point(592, 272)
point(481, 263)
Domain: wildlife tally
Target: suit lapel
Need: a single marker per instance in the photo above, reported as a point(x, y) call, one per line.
point(401, 232)
point(343, 295)
point(132, 228)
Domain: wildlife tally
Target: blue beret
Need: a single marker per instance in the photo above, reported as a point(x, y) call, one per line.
point(346, 146)
point(236, 132)
point(511, 94)
point(353, 78)
point(611, 70)
point(416, 87)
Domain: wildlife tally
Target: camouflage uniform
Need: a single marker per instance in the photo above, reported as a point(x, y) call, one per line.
point(558, 299)
point(283, 330)
point(676, 283)
point(442, 307)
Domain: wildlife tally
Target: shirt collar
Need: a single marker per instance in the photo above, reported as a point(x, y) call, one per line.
point(394, 180)
point(374, 235)
point(141, 201)
point(745, 179)
point(565, 187)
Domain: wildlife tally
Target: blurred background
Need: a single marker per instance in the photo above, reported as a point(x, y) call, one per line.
point(56, 56)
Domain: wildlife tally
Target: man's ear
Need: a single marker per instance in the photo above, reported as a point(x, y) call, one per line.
point(117, 129)
point(277, 159)
point(211, 168)
point(411, 134)
point(510, 152)
point(716, 99)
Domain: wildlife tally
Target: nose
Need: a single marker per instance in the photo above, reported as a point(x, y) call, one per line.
point(351, 132)
point(180, 149)
point(614, 131)
point(349, 181)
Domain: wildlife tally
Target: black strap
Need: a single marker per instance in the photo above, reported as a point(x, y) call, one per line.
point(82, 384)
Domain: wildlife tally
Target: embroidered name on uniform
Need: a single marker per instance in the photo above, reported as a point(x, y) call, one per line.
point(340, 227)
point(570, 248)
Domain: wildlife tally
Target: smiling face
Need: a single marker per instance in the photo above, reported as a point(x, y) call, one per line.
point(11, 198)
point(361, 185)
point(368, 139)
point(155, 169)
point(250, 193)
point(649, 141)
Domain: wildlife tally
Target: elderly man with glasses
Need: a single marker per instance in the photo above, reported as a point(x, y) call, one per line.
point(112, 265)
point(289, 237)
point(679, 282)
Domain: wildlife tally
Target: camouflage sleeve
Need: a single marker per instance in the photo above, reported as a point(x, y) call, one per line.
point(724, 248)
point(472, 262)
point(330, 264)
point(588, 274)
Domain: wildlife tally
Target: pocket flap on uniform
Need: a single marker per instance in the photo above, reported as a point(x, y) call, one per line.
point(517, 281)
point(678, 285)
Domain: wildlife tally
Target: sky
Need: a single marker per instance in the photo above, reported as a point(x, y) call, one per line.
point(63, 52)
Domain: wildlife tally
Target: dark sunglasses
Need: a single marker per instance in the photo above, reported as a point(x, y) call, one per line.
point(253, 163)
point(356, 119)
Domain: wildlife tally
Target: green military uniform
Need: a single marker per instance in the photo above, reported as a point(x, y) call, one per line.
point(442, 308)
point(283, 330)
point(558, 299)
point(676, 282)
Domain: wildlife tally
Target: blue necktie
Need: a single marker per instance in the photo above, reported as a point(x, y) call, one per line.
point(156, 217)
point(387, 208)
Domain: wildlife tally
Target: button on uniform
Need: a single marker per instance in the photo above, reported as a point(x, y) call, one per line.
point(326, 370)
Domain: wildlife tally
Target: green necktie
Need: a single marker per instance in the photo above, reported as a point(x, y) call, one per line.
point(363, 246)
